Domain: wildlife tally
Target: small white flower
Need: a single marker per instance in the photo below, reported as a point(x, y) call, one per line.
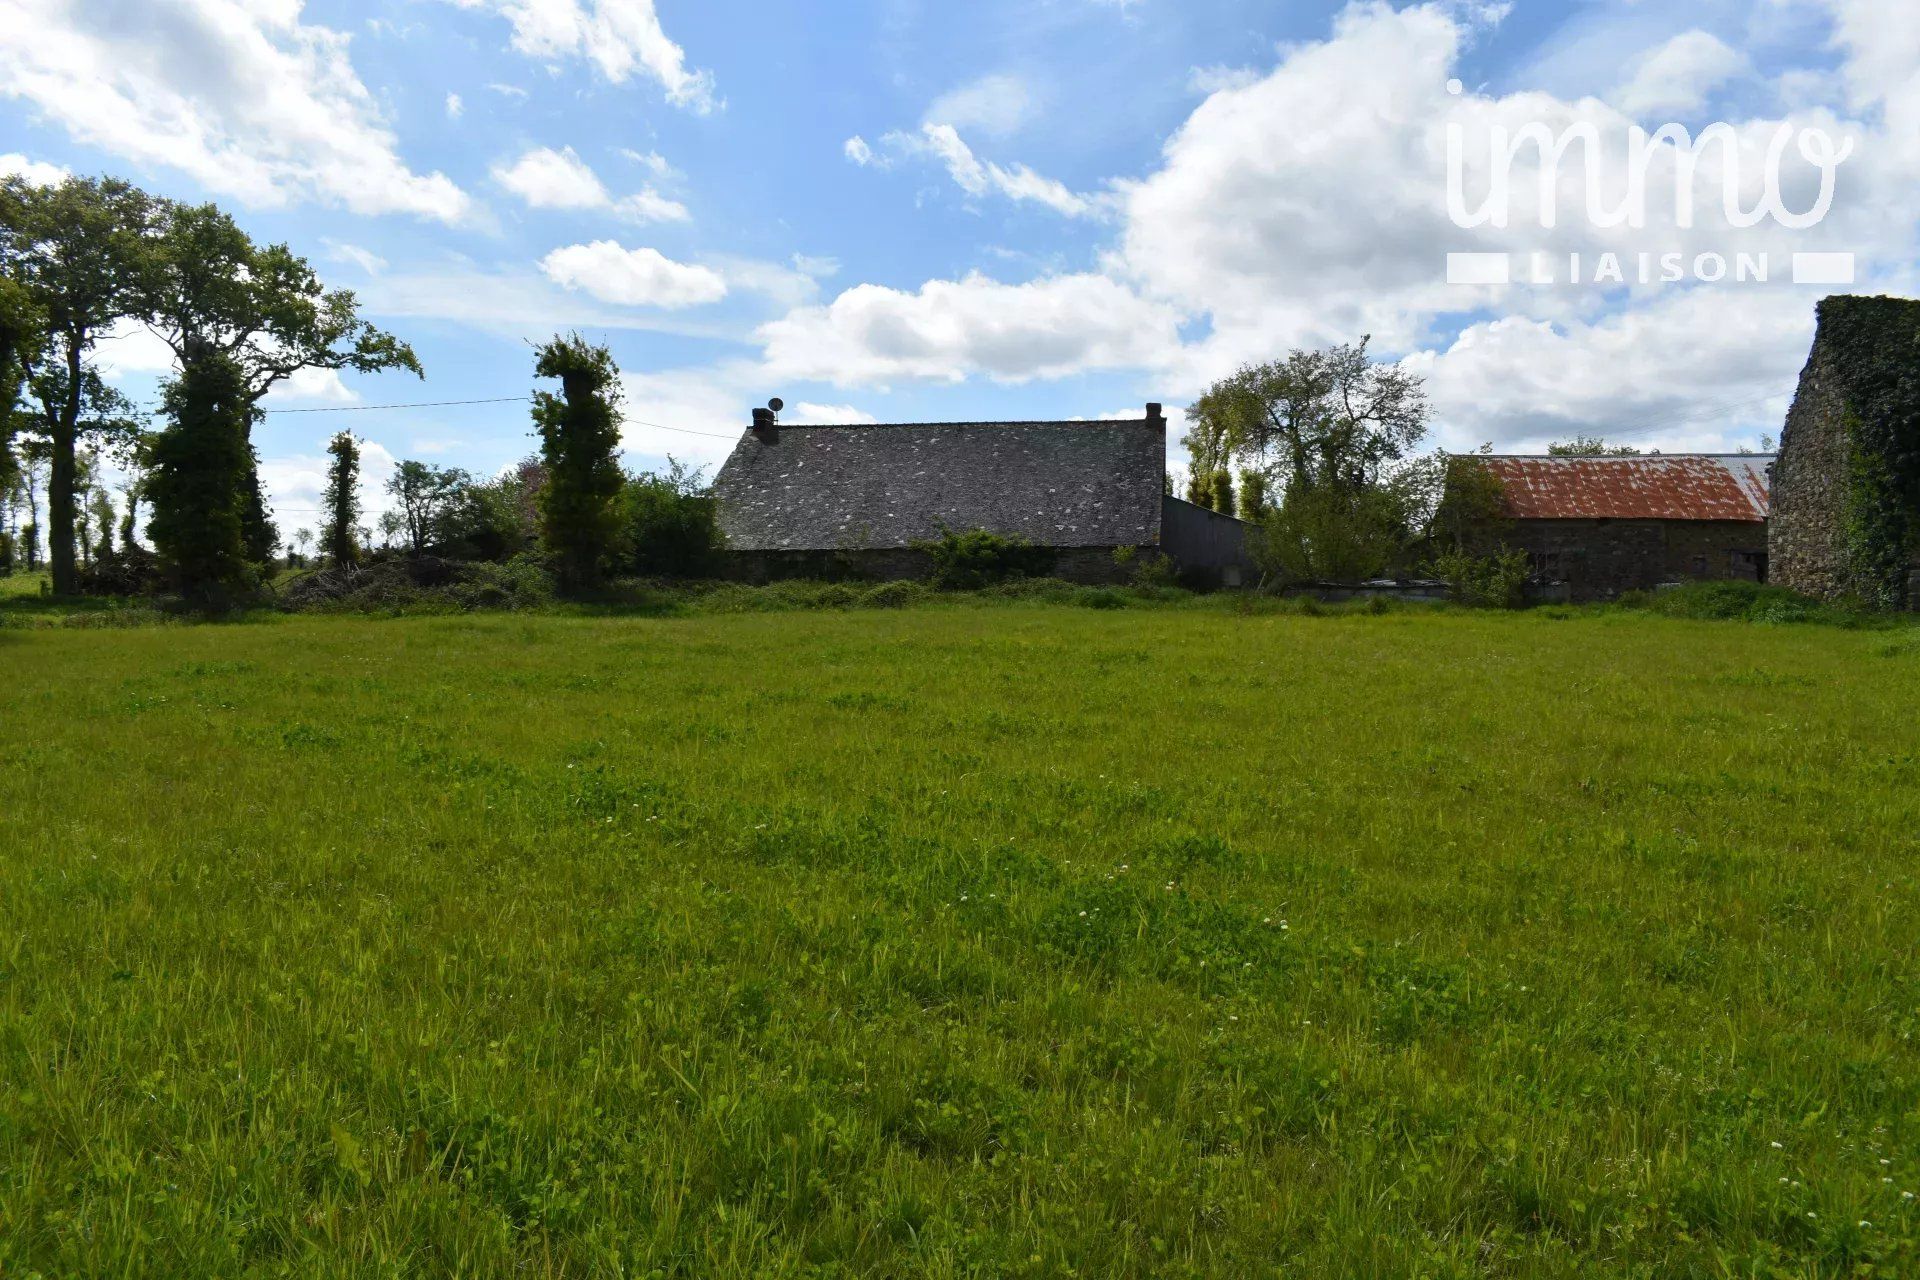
point(1774, 1145)
point(1906, 1195)
point(1812, 1214)
point(1865, 1223)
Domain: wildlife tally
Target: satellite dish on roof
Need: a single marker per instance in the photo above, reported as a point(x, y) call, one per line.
point(776, 404)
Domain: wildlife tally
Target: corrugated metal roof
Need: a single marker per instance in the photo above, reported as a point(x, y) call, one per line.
point(1059, 484)
point(1673, 486)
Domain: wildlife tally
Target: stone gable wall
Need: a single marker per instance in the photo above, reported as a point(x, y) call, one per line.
point(1863, 346)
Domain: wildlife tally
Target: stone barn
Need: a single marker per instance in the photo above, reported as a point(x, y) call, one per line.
point(851, 501)
point(1607, 525)
point(1846, 512)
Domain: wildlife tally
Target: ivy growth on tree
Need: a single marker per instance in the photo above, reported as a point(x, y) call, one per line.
point(202, 504)
point(579, 433)
point(342, 501)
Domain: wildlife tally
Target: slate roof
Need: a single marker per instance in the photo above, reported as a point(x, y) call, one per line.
point(1673, 486)
point(1058, 484)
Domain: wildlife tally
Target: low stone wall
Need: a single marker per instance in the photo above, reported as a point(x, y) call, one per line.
point(1092, 565)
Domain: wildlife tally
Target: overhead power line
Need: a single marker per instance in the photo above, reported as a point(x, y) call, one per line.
point(423, 404)
point(441, 404)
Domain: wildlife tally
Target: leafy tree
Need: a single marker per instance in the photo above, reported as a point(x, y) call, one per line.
point(1333, 431)
point(202, 502)
point(21, 334)
point(342, 501)
point(579, 437)
point(261, 314)
point(302, 538)
point(391, 527)
point(671, 524)
point(1469, 514)
point(77, 250)
point(100, 512)
point(1317, 418)
point(1591, 447)
point(1253, 496)
point(1340, 533)
point(1200, 488)
point(425, 494)
point(493, 519)
point(1222, 492)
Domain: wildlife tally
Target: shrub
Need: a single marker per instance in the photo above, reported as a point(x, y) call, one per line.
point(671, 527)
point(894, 595)
point(1745, 602)
point(424, 584)
point(1334, 533)
point(977, 558)
point(1100, 598)
point(1496, 581)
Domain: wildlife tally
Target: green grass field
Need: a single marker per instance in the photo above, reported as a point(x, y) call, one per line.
point(1025, 940)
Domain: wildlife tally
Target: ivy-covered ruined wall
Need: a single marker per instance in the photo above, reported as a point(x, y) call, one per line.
point(1846, 489)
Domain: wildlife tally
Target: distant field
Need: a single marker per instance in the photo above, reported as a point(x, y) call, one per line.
point(1027, 940)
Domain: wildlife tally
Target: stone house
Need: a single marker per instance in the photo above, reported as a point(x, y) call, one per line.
point(852, 500)
point(1606, 525)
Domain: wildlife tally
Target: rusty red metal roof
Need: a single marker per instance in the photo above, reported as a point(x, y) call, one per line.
point(1672, 486)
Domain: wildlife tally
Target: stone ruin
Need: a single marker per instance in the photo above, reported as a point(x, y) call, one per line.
point(1846, 489)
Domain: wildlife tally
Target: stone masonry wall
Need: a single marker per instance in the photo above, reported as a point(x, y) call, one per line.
point(1093, 565)
point(1598, 559)
point(1809, 530)
point(1806, 531)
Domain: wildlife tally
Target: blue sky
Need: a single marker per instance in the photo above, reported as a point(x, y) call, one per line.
point(906, 210)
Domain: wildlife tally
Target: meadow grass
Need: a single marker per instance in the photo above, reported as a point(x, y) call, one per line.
point(1031, 940)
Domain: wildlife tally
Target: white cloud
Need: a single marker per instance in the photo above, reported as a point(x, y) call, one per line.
point(826, 415)
point(36, 173)
point(951, 329)
point(650, 206)
point(130, 348)
point(652, 161)
point(1677, 77)
point(621, 38)
point(454, 106)
point(1704, 373)
point(632, 277)
point(858, 151)
point(547, 179)
point(978, 178)
point(995, 105)
point(310, 386)
point(514, 303)
point(366, 259)
point(240, 95)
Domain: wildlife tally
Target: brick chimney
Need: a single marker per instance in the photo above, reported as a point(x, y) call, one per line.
point(766, 422)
